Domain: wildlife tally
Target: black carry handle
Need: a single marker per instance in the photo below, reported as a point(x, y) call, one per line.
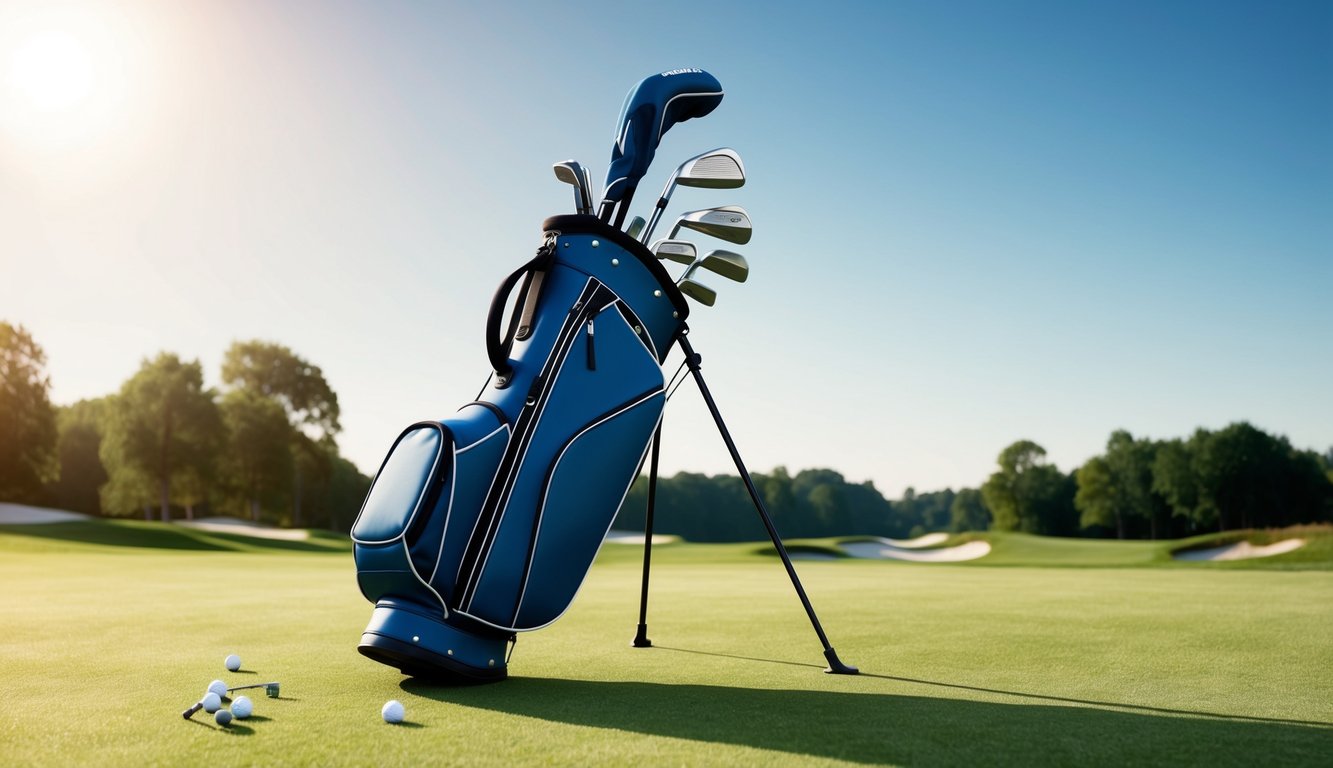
point(497, 348)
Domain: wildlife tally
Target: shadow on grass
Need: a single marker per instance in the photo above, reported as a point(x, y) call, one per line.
point(874, 728)
point(1035, 696)
point(152, 535)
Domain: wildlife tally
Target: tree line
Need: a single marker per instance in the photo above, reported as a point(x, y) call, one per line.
point(1235, 477)
point(263, 447)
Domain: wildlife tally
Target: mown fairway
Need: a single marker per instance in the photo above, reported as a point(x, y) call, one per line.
point(105, 644)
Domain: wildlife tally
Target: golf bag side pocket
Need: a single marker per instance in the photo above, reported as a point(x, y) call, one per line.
point(398, 535)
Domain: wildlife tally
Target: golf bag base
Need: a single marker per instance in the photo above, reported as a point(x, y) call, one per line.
point(422, 646)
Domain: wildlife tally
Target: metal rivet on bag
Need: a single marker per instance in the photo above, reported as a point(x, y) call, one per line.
point(615, 262)
point(658, 294)
point(416, 638)
point(492, 662)
point(451, 651)
point(566, 243)
point(595, 243)
point(638, 329)
point(675, 314)
point(530, 401)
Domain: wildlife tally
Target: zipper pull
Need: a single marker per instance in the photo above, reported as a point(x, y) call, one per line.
point(592, 354)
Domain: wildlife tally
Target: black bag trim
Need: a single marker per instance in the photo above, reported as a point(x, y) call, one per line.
point(573, 224)
point(497, 497)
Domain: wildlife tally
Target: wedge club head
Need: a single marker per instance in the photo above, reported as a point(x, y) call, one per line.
point(716, 169)
point(732, 266)
point(679, 251)
point(699, 292)
point(573, 173)
point(728, 222)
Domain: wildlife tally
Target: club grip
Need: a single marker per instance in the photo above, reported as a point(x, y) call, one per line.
point(187, 714)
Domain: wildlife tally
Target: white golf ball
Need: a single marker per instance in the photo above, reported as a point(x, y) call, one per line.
point(393, 712)
point(223, 717)
point(241, 707)
point(212, 702)
point(218, 687)
point(233, 663)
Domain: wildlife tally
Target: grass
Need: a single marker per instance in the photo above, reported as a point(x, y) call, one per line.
point(113, 628)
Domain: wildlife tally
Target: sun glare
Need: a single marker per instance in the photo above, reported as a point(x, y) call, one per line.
point(52, 72)
point(71, 79)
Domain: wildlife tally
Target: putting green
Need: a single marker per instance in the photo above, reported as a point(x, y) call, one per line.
point(105, 644)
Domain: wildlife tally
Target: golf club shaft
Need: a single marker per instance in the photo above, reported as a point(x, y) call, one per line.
point(652, 220)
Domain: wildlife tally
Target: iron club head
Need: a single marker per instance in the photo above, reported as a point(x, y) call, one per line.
point(716, 169)
point(698, 291)
point(728, 222)
point(679, 251)
point(573, 173)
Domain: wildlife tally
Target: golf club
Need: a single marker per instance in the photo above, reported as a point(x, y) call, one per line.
point(679, 251)
point(271, 690)
point(573, 173)
point(651, 108)
point(717, 169)
point(587, 185)
point(635, 227)
point(728, 222)
point(699, 292)
point(732, 266)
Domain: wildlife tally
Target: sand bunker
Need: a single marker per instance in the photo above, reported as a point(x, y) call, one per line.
point(878, 550)
point(21, 514)
point(633, 537)
point(929, 540)
point(1242, 551)
point(240, 527)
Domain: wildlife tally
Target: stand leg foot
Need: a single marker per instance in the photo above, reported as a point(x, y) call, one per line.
point(641, 639)
point(835, 665)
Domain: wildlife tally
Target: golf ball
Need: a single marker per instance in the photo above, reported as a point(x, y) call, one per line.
point(223, 717)
point(393, 712)
point(212, 702)
point(233, 663)
point(241, 707)
point(218, 687)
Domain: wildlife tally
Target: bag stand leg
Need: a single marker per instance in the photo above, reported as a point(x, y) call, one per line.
point(641, 638)
point(692, 359)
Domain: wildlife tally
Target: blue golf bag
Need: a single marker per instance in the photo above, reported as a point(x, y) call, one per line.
point(484, 524)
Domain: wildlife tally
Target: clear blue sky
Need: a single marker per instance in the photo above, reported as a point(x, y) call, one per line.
point(975, 222)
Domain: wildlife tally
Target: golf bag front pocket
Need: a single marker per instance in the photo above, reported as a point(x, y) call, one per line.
point(401, 534)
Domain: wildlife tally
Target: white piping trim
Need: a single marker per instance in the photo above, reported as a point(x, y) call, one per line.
point(518, 470)
point(420, 497)
point(453, 487)
point(407, 555)
point(661, 117)
point(555, 467)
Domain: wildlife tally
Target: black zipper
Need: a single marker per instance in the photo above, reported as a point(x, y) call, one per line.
point(592, 345)
point(593, 299)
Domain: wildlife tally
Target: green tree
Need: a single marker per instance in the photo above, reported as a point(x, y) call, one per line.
point(1174, 478)
point(1097, 498)
point(28, 433)
point(81, 472)
point(1240, 471)
point(968, 512)
point(276, 372)
point(162, 427)
point(311, 407)
point(258, 458)
point(1027, 494)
